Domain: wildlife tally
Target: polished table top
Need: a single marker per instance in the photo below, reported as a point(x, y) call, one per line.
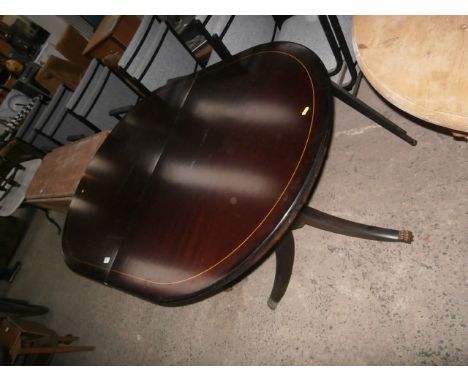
point(203, 177)
point(418, 63)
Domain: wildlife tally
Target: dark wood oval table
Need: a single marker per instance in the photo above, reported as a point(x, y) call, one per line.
point(204, 178)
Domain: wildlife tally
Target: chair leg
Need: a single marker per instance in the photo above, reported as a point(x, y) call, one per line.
point(327, 30)
point(340, 39)
point(370, 113)
point(357, 84)
point(284, 264)
point(321, 220)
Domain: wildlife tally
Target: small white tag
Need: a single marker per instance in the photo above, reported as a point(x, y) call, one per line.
point(106, 260)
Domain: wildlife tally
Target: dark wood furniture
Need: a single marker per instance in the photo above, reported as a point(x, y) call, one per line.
point(206, 176)
point(25, 338)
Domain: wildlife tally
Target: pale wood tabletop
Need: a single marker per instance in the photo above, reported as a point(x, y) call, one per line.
point(418, 63)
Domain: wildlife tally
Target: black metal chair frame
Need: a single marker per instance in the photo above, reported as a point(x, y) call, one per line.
point(216, 41)
point(82, 119)
point(341, 52)
point(135, 83)
point(50, 136)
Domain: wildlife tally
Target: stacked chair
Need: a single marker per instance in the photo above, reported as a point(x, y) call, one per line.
point(50, 126)
point(74, 115)
point(230, 35)
point(46, 123)
point(324, 35)
point(320, 34)
point(99, 93)
point(155, 55)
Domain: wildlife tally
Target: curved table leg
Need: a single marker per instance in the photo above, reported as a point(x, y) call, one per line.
point(284, 264)
point(321, 220)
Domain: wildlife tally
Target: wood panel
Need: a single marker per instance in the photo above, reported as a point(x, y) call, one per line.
point(56, 180)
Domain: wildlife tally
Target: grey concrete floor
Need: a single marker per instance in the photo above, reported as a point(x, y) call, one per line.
point(350, 301)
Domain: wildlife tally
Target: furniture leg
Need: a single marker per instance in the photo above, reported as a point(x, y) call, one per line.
point(327, 29)
point(284, 264)
point(345, 50)
point(12, 163)
point(357, 84)
point(11, 182)
point(318, 219)
point(370, 113)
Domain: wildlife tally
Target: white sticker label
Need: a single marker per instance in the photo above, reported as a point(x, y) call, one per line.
point(106, 260)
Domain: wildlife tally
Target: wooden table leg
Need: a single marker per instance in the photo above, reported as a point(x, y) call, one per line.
point(321, 220)
point(284, 265)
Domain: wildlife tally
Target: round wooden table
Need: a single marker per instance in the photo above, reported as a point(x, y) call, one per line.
point(418, 63)
point(202, 179)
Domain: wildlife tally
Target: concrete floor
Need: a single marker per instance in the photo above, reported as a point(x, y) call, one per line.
point(350, 301)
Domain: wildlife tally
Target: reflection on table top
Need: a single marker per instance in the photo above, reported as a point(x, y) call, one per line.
point(203, 177)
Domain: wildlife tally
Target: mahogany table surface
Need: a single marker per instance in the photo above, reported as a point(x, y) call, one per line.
point(418, 63)
point(203, 177)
